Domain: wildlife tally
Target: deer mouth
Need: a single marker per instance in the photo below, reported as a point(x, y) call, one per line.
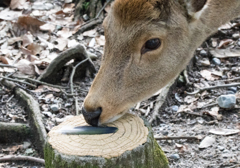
point(114, 118)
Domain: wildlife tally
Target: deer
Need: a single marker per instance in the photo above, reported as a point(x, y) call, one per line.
point(148, 43)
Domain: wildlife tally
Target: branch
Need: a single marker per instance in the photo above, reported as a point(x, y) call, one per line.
point(11, 158)
point(179, 137)
point(160, 100)
point(71, 83)
point(212, 87)
point(15, 80)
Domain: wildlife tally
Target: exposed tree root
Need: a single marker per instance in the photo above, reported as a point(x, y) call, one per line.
point(13, 132)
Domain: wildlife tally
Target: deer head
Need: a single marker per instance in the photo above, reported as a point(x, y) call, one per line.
point(148, 43)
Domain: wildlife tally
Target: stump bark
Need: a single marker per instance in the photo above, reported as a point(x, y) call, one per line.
point(133, 145)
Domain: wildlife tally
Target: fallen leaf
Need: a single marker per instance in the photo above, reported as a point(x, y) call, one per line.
point(221, 131)
point(29, 23)
point(27, 39)
point(4, 60)
point(43, 88)
point(17, 4)
point(224, 43)
point(92, 42)
point(34, 48)
point(25, 51)
point(48, 27)
point(90, 33)
point(25, 67)
point(214, 42)
point(217, 73)
point(68, 8)
point(207, 74)
point(62, 43)
point(214, 112)
point(49, 45)
point(65, 33)
point(206, 142)
point(190, 99)
point(14, 40)
point(225, 53)
point(100, 40)
point(14, 149)
point(10, 15)
point(228, 25)
point(72, 43)
point(49, 96)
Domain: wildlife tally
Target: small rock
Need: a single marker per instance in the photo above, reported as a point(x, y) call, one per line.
point(203, 53)
point(29, 151)
point(233, 89)
point(26, 144)
point(85, 17)
point(92, 42)
point(200, 120)
point(229, 92)
point(238, 43)
point(48, 6)
point(181, 79)
point(54, 107)
point(175, 156)
point(235, 35)
point(47, 113)
point(221, 148)
point(224, 77)
point(226, 101)
point(165, 133)
point(174, 108)
point(205, 62)
point(68, 105)
point(216, 61)
point(59, 120)
point(58, 27)
point(92, 56)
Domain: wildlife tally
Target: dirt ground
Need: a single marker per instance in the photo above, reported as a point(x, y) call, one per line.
point(182, 114)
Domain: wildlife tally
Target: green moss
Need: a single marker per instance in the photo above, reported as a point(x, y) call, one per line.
point(160, 160)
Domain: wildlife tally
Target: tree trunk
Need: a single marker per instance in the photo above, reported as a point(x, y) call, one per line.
point(132, 145)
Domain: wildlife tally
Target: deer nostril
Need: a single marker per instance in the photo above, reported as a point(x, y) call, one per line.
point(92, 117)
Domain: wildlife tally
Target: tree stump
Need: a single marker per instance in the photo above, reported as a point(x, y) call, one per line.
point(133, 145)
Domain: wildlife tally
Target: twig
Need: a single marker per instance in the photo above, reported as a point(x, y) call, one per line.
point(10, 99)
point(160, 100)
point(87, 26)
point(71, 83)
point(212, 87)
point(104, 6)
point(43, 83)
point(28, 158)
point(185, 74)
point(177, 137)
point(7, 65)
point(191, 113)
point(208, 105)
point(15, 80)
point(93, 21)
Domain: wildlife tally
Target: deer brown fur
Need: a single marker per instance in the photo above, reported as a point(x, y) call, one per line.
point(127, 75)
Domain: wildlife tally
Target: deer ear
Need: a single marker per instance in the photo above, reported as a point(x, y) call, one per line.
point(195, 7)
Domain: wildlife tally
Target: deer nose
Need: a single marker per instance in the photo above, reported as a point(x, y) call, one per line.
point(92, 117)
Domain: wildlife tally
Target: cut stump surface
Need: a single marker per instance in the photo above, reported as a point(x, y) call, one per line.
point(132, 145)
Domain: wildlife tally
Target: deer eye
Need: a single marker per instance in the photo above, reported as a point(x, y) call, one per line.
point(151, 44)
